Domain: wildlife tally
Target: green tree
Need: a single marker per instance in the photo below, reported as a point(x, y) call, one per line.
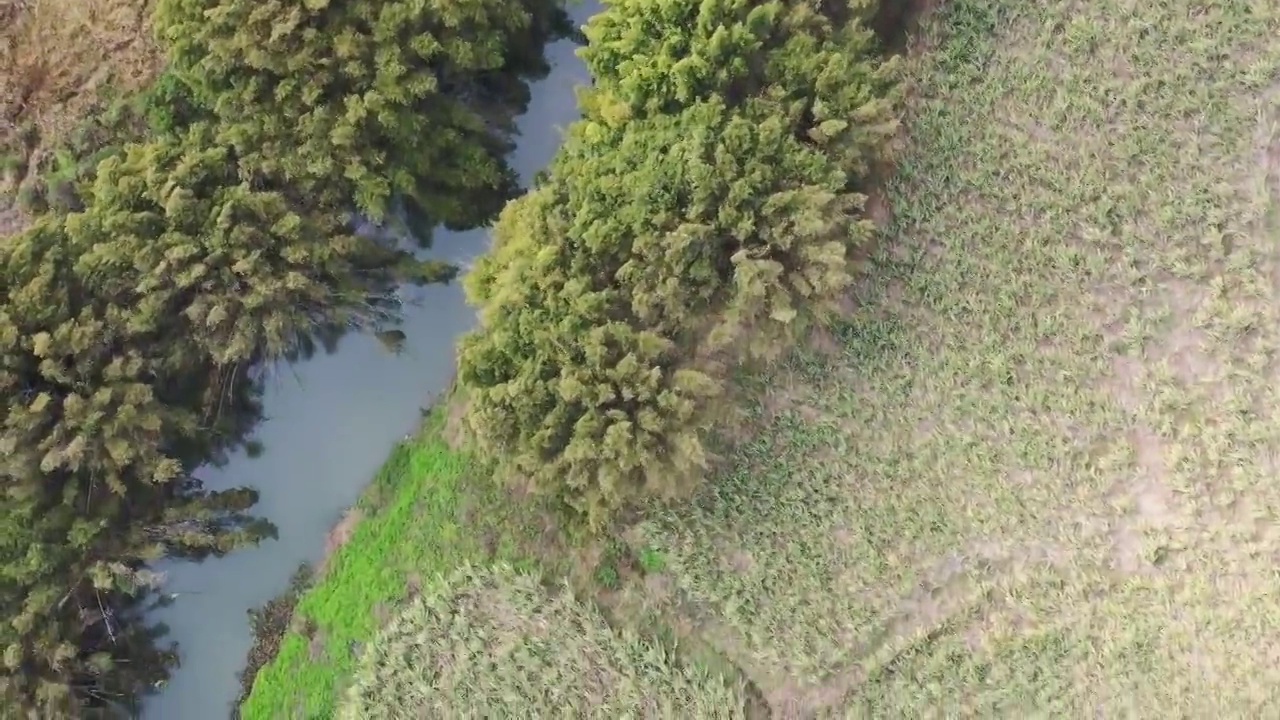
point(93, 487)
point(702, 212)
point(367, 100)
point(226, 272)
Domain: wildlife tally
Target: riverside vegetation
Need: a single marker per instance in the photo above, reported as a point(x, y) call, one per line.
point(1029, 470)
point(165, 253)
point(704, 213)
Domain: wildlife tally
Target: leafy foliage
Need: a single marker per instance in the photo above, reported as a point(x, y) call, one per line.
point(94, 437)
point(170, 104)
point(492, 643)
point(368, 100)
point(703, 211)
point(239, 274)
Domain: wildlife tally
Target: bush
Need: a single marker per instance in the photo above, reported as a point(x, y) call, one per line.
point(170, 105)
point(703, 211)
point(494, 643)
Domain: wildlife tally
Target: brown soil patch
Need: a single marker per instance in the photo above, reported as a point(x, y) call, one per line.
point(659, 587)
point(1125, 382)
point(740, 561)
point(414, 585)
point(775, 402)
point(823, 342)
point(1146, 503)
point(455, 422)
point(878, 209)
point(793, 702)
point(56, 56)
point(11, 219)
point(340, 534)
point(1184, 350)
point(316, 647)
point(897, 20)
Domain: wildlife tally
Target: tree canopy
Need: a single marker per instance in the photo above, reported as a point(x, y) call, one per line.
point(367, 100)
point(703, 210)
point(171, 231)
point(95, 438)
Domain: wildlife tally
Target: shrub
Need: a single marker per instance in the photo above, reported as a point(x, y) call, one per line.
point(494, 643)
point(170, 105)
point(703, 211)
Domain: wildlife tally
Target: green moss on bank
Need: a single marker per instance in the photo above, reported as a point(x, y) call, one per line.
point(429, 510)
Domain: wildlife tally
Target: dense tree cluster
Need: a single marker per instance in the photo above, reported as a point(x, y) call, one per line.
point(240, 272)
point(367, 100)
point(135, 321)
point(704, 209)
point(102, 423)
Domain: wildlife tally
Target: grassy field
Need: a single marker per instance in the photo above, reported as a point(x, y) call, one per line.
point(543, 648)
point(1034, 472)
point(1036, 469)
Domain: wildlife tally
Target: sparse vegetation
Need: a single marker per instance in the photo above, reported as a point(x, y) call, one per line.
point(60, 60)
point(543, 652)
point(65, 66)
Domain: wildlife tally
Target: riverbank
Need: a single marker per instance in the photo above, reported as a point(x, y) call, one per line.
point(624, 579)
point(188, 239)
point(426, 512)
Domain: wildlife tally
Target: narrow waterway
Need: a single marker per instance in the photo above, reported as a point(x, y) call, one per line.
point(330, 423)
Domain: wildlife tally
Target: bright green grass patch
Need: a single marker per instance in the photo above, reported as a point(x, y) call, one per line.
point(427, 513)
point(1035, 473)
point(496, 643)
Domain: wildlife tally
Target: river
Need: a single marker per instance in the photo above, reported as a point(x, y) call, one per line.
point(331, 422)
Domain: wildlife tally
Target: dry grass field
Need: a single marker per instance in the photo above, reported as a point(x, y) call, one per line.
point(57, 59)
point(496, 643)
point(1037, 471)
